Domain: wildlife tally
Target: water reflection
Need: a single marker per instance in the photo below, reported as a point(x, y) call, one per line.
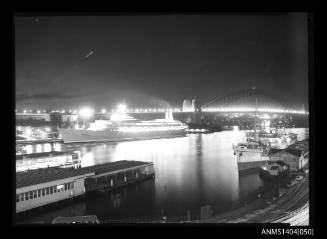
point(191, 172)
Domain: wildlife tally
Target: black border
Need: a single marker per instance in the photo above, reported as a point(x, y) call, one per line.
point(229, 229)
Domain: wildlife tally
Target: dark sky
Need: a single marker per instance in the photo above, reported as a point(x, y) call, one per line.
point(157, 60)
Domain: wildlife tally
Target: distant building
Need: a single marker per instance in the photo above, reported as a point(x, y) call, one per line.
point(294, 158)
point(69, 118)
point(56, 118)
point(32, 116)
point(187, 106)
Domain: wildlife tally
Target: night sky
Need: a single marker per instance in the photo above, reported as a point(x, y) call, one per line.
point(152, 61)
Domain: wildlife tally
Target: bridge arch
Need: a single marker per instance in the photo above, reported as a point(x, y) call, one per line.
point(250, 99)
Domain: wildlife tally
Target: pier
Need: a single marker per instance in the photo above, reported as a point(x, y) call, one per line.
point(38, 141)
point(40, 187)
point(115, 175)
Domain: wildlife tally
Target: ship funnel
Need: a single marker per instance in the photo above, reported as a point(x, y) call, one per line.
point(169, 115)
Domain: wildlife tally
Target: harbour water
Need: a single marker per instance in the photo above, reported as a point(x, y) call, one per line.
point(191, 171)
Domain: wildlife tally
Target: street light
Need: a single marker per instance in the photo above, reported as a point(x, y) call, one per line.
point(103, 111)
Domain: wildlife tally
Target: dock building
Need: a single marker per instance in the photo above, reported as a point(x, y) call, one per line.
point(40, 187)
point(295, 156)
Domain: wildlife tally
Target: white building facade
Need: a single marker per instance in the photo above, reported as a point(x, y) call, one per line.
point(37, 195)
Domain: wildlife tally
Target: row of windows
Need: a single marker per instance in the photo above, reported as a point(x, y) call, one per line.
point(43, 192)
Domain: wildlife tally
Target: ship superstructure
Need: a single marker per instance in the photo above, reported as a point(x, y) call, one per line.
point(274, 138)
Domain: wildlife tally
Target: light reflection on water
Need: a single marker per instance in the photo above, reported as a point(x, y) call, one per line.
point(191, 172)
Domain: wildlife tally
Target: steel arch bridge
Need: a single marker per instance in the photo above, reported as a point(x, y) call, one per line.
point(249, 100)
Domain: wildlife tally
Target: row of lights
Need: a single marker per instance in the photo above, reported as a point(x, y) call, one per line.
point(103, 111)
point(246, 109)
point(45, 111)
point(151, 110)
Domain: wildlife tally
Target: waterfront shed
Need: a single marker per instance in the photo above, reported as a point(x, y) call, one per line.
point(294, 158)
point(39, 187)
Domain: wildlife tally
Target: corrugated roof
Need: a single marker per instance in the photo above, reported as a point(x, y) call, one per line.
point(274, 167)
point(114, 166)
point(279, 162)
point(43, 175)
point(296, 152)
point(293, 151)
point(272, 151)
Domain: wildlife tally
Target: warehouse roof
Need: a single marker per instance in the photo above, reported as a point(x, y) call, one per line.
point(293, 151)
point(43, 175)
point(115, 166)
point(302, 145)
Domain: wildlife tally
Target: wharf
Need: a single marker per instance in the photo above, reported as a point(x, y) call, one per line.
point(38, 141)
point(43, 186)
point(117, 174)
point(44, 154)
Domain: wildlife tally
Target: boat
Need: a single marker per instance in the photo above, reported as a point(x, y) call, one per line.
point(272, 137)
point(122, 127)
point(251, 155)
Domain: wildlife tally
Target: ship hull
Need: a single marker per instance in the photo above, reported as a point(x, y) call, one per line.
point(251, 165)
point(251, 160)
point(82, 136)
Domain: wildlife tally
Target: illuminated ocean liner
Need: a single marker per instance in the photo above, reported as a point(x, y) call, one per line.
point(122, 127)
